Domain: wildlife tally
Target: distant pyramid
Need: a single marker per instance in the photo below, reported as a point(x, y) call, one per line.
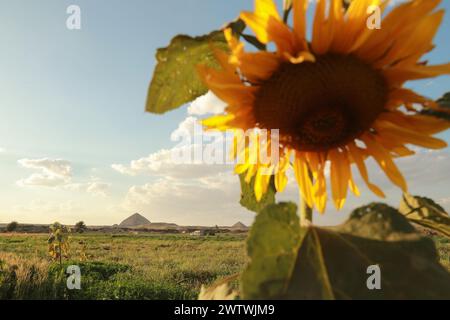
point(134, 221)
point(239, 226)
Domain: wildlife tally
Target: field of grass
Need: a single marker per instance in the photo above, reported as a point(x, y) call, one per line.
point(118, 266)
point(126, 266)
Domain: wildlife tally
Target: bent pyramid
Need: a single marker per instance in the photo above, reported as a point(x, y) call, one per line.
point(134, 221)
point(239, 226)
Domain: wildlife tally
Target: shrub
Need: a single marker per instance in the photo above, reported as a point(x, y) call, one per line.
point(12, 226)
point(80, 227)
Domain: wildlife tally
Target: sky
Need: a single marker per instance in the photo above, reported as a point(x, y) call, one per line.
point(76, 144)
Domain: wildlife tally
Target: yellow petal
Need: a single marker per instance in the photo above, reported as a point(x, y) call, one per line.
point(413, 44)
point(281, 35)
point(262, 181)
point(398, 75)
point(351, 183)
point(419, 123)
point(219, 121)
point(258, 21)
point(396, 133)
point(280, 173)
point(339, 177)
point(357, 156)
point(385, 161)
point(300, 8)
point(303, 179)
point(401, 20)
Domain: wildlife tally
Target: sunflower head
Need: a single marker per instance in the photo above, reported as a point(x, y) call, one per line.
point(337, 99)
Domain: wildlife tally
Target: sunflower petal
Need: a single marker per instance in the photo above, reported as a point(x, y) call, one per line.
point(385, 161)
point(357, 156)
point(257, 21)
point(303, 179)
point(339, 177)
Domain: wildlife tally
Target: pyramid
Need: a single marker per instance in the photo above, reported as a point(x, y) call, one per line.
point(239, 226)
point(134, 221)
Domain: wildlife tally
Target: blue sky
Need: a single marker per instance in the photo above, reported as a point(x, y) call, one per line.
point(79, 96)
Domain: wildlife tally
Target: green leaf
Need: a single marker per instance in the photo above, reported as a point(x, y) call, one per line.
point(272, 244)
point(331, 263)
point(444, 102)
point(248, 198)
point(425, 212)
point(175, 79)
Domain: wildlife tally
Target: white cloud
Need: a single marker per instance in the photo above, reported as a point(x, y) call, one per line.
point(53, 172)
point(94, 187)
point(42, 180)
point(207, 104)
point(169, 163)
point(98, 188)
point(187, 128)
point(58, 173)
point(208, 201)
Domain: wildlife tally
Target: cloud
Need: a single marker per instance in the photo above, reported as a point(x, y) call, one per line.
point(98, 188)
point(187, 128)
point(57, 173)
point(184, 162)
point(206, 104)
point(209, 201)
point(95, 187)
point(53, 172)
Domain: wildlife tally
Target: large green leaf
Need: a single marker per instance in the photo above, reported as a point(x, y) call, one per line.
point(175, 79)
point(272, 246)
point(325, 263)
point(425, 212)
point(444, 102)
point(248, 198)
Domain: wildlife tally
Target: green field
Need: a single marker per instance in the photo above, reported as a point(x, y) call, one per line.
point(118, 266)
point(126, 266)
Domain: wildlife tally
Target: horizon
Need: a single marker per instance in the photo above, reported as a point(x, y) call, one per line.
point(108, 225)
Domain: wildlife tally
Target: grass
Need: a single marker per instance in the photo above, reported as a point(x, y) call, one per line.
point(443, 247)
point(119, 266)
point(127, 266)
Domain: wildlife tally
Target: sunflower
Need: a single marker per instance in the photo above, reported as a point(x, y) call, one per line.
point(337, 99)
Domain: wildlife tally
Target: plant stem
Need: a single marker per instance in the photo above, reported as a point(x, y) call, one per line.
point(287, 7)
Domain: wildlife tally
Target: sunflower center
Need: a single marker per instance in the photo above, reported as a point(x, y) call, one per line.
point(321, 105)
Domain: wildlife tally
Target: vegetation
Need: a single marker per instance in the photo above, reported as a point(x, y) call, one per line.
point(80, 227)
point(12, 226)
point(58, 242)
point(118, 266)
point(290, 257)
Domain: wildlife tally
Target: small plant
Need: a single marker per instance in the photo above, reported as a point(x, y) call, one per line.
point(80, 227)
point(58, 242)
point(12, 226)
